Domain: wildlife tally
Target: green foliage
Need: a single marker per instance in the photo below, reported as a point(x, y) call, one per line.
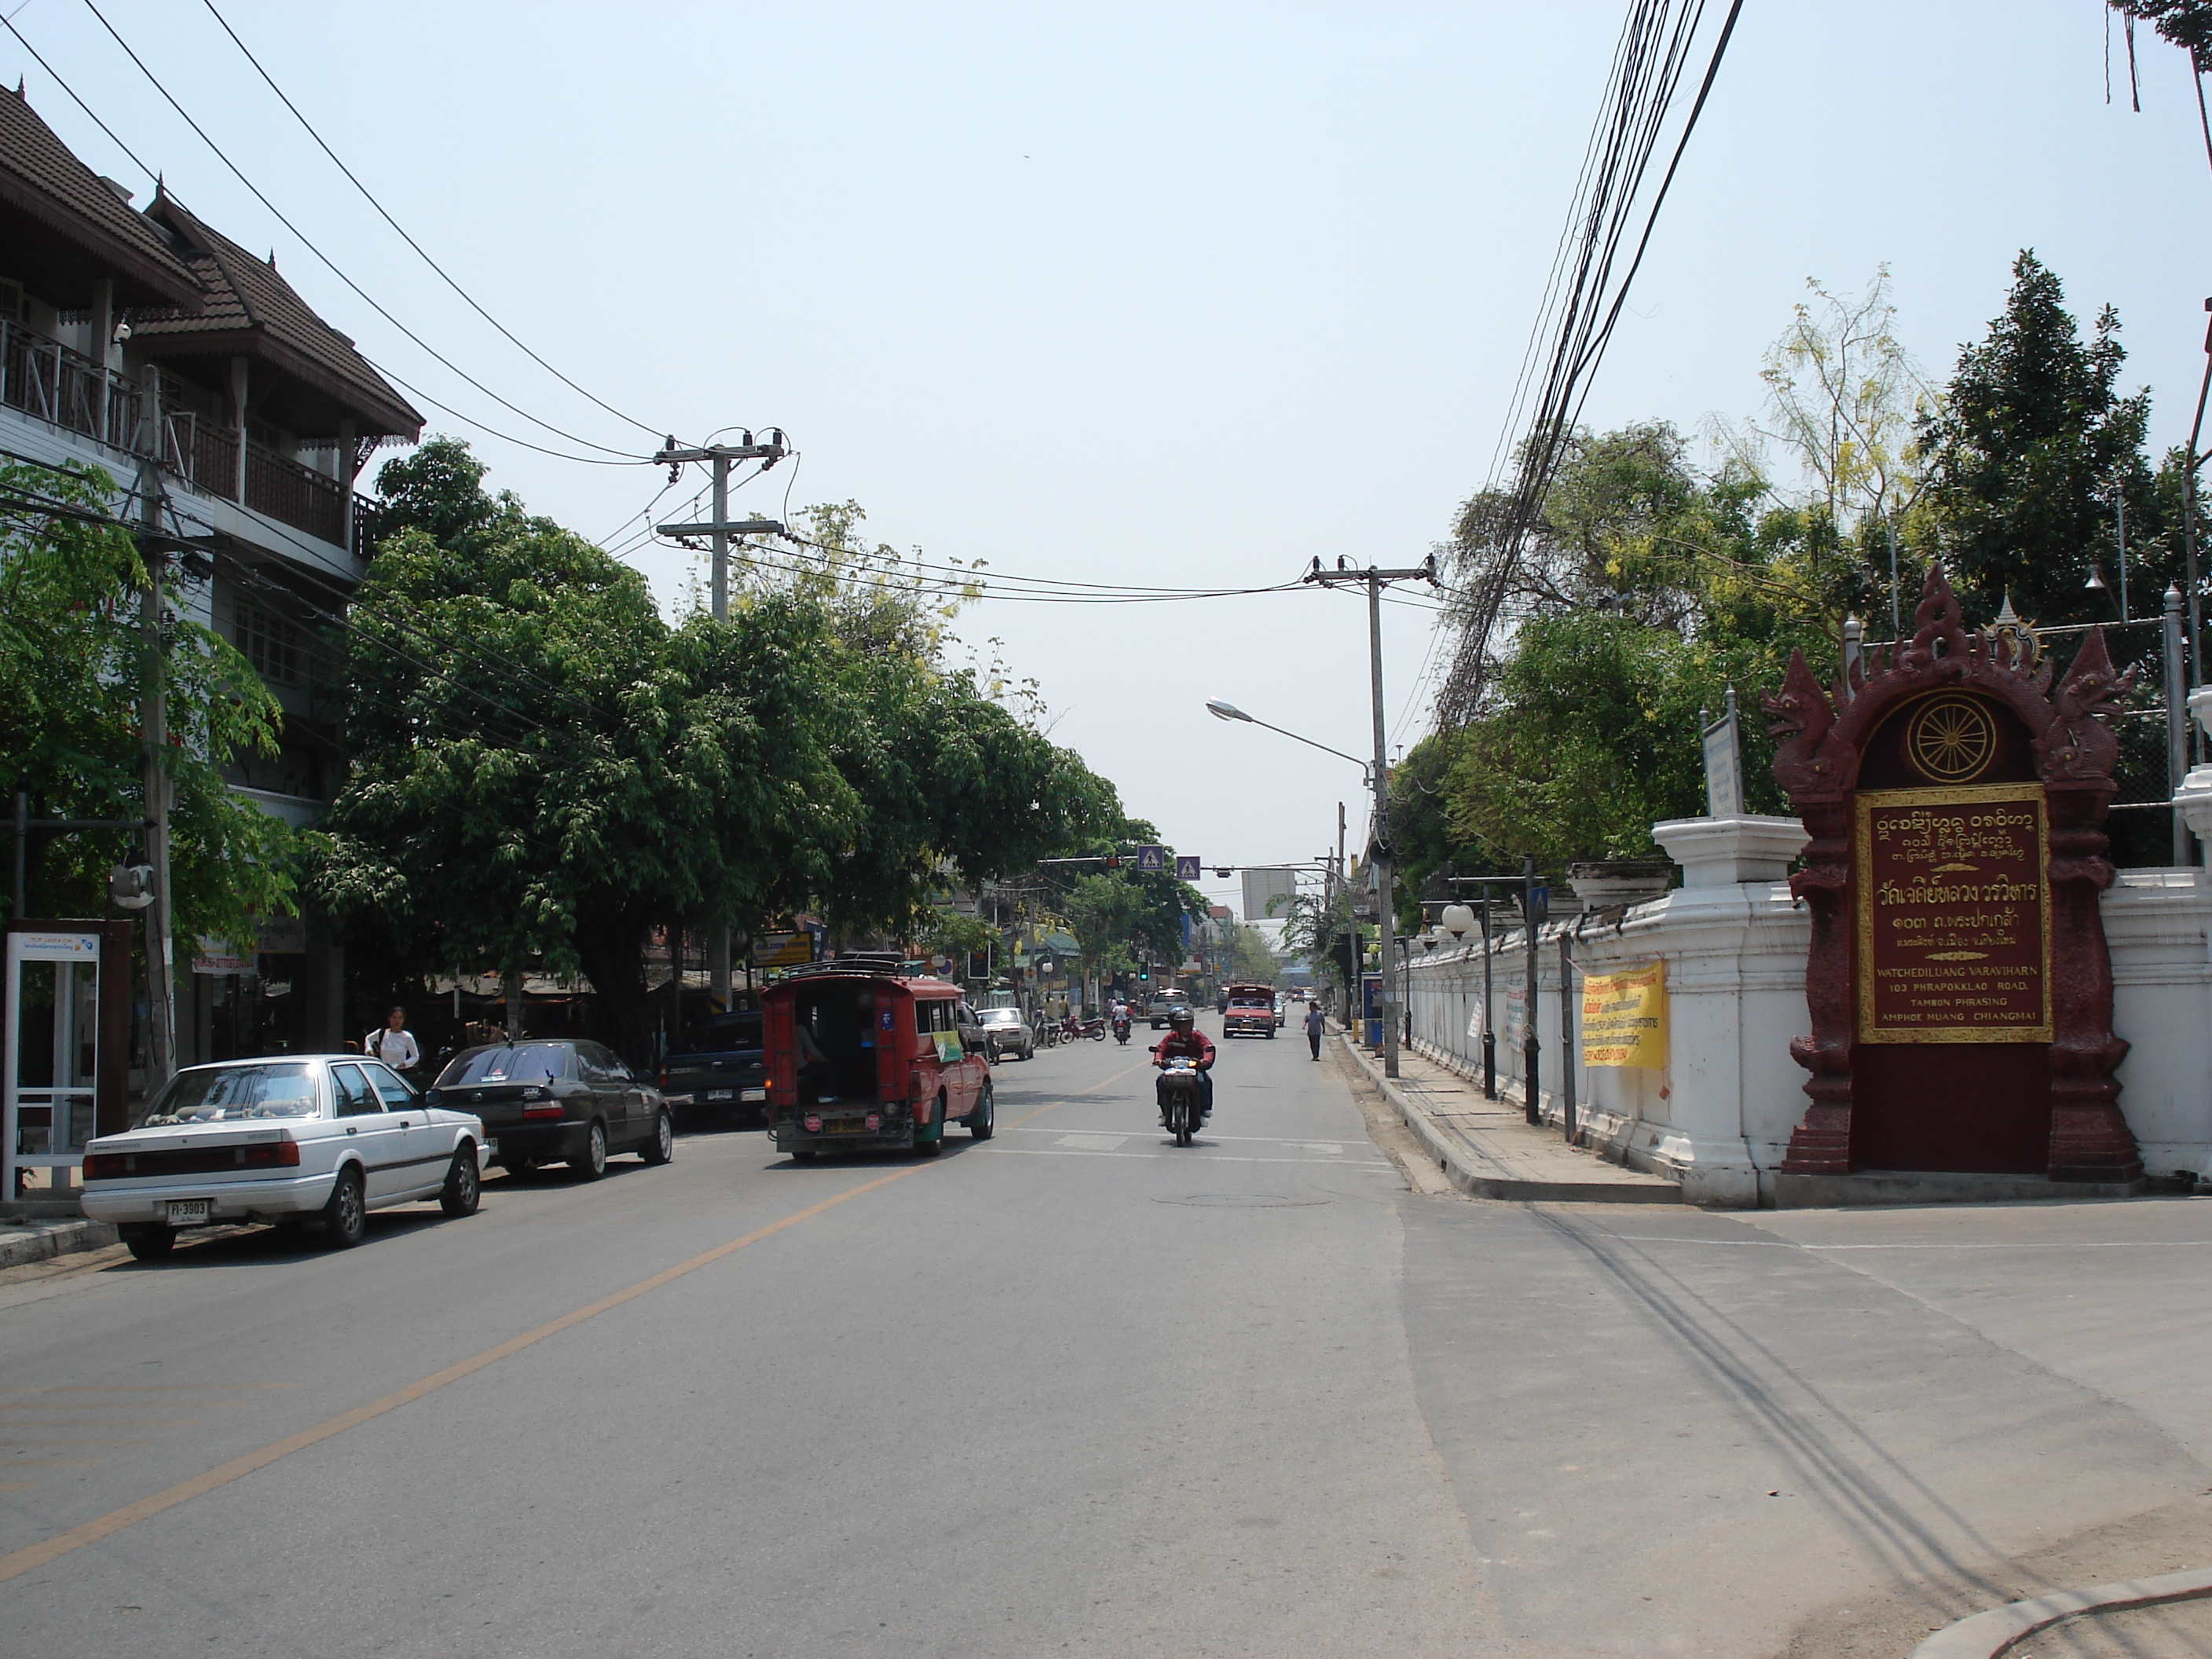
point(2027, 456)
point(1592, 739)
point(546, 769)
point(73, 666)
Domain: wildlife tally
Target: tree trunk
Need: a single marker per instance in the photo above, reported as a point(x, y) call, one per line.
point(612, 956)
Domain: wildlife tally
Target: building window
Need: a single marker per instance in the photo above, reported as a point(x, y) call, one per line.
point(276, 648)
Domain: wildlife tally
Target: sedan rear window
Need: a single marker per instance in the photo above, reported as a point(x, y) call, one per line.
point(531, 1062)
point(226, 1094)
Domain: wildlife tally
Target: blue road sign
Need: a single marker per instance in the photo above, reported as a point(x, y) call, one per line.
point(1154, 858)
point(1186, 867)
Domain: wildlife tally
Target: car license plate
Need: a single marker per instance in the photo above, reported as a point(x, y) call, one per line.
point(844, 1125)
point(753, 1094)
point(720, 1094)
point(186, 1212)
point(491, 1146)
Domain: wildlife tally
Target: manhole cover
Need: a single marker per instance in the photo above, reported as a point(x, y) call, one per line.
point(1242, 1200)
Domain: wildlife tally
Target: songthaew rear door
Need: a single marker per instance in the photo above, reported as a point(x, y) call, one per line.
point(779, 1047)
point(893, 1021)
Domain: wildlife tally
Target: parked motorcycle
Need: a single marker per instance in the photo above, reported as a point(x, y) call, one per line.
point(1095, 1028)
point(1178, 1090)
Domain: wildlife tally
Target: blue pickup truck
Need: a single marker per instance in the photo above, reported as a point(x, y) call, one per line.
point(721, 1075)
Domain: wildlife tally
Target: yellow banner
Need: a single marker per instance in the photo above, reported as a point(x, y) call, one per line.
point(1624, 1017)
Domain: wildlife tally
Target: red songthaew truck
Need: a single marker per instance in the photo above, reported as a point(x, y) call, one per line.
point(861, 1055)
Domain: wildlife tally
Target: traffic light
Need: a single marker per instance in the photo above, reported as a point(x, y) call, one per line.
point(1145, 972)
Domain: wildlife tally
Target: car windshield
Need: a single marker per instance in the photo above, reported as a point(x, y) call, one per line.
point(1251, 1002)
point(1002, 1017)
point(528, 1062)
point(227, 1094)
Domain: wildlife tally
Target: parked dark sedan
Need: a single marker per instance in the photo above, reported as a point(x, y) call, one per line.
point(555, 1101)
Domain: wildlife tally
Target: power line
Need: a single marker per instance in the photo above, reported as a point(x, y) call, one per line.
point(238, 173)
point(405, 237)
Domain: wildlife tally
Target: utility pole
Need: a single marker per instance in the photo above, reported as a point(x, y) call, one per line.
point(718, 531)
point(1376, 580)
point(1350, 932)
point(153, 723)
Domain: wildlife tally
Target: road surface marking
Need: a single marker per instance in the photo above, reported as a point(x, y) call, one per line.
point(1271, 1140)
point(38, 1555)
point(1091, 1143)
point(1220, 1158)
point(101, 1440)
point(1092, 1090)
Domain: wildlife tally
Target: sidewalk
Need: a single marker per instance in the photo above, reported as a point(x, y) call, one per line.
point(1488, 1148)
point(22, 1241)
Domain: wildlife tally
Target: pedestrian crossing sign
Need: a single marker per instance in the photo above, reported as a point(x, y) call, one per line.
point(1186, 868)
point(1153, 858)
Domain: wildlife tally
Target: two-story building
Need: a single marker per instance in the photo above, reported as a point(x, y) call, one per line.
point(148, 343)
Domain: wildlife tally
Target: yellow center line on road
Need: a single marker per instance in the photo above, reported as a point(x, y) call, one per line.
point(38, 1555)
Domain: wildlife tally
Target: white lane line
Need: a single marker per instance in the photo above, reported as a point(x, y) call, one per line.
point(1219, 1157)
point(1792, 1245)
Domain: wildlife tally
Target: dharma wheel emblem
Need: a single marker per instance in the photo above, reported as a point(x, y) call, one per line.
point(1952, 740)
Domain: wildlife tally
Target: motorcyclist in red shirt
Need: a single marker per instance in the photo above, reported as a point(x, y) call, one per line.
point(1185, 1039)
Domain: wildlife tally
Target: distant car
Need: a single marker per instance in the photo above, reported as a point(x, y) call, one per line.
point(1161, 1004)
point(722, 1072)
point(319, 1141)
point(1006, 1033)
point(1280, 1002)
point(548, 1101)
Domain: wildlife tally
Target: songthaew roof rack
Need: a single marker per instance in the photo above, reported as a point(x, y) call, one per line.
point(853, 962)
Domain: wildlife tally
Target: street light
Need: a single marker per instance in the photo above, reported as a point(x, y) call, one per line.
point(1221, 710)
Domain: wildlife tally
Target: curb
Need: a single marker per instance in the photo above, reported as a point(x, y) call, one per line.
point(1986, 1635)
point(1511, 1188)
point(66, 1239)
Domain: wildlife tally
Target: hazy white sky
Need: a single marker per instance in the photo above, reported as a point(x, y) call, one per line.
point(1156, 294)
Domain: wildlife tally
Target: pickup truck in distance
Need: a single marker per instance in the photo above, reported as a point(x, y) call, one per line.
point(721, 1075)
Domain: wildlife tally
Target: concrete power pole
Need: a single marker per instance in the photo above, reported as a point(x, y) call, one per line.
point(718, 531)
point(154, 722)
point(1376, 580)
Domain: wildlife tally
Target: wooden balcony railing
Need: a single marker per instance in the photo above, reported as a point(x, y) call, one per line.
point(44, 378)
point(299, 496)
point(204, 452)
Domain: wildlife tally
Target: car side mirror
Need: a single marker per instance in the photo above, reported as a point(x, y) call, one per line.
point(431, 1097)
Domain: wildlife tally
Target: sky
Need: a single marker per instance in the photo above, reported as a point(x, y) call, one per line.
point(1183, 295)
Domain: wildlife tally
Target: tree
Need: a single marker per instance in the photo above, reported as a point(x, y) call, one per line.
point(73, 664)
point(2029, 455)
point(546, 770)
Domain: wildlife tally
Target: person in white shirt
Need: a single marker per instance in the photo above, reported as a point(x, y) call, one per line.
point(393, 1044)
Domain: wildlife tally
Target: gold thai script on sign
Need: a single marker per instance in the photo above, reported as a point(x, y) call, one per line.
point(1953, 906)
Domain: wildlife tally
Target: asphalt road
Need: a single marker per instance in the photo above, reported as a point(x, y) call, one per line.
point(1076, 1389)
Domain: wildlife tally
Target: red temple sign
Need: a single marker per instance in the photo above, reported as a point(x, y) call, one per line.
point(1954, 915)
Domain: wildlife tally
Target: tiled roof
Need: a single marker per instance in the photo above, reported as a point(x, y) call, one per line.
point(39, 177)
point(246, 297)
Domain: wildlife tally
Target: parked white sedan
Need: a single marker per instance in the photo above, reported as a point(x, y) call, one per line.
point(317, 1140)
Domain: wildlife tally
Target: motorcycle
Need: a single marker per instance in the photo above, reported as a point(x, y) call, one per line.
point(1182, 1108)
point(1093, 1028)
point(1122, 1029)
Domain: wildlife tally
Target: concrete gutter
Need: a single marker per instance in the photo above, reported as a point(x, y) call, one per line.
point(1986, 1635)
point(39, 1241)
point(1476, 1177)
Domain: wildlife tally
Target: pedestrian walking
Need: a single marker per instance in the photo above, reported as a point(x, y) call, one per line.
point(393, 1044)
point(1315, 1026)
